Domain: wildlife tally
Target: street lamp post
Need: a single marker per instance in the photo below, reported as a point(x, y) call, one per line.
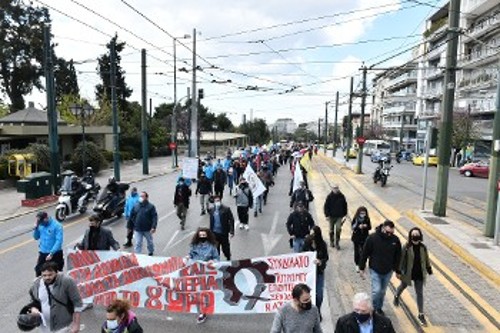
point(82, 111)
point(215, 127)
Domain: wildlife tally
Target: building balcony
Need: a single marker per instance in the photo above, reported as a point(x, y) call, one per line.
point(401, 96)
point(478, 7)
point(478, 82)
point(397, 125)
point(433, 93)
point(480, 28)
point(401, 109)
point(480, 58)
point(436, 52)
point(434, 73)
point(402, 81)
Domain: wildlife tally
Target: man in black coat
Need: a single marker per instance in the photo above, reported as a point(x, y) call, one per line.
point(97, 237)
point(181, 201)
point(302, 194)
point(335, 209)
point(220, 180)
point(363, 318)
point(222, 225)
point(204, 188)
point(299, 225)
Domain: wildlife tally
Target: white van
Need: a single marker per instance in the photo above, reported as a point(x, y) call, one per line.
point(376, 146)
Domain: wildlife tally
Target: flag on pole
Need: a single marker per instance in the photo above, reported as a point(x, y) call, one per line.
point(305, 161)
point(297, 177)
point(254, 182)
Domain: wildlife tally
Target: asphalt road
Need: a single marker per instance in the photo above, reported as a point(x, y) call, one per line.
point(18, 254)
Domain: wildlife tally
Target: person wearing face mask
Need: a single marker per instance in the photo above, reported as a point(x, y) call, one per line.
point(361, 226)
point(315, 242)
point(244, 200)
point(299, 225)
point(49, 234)
point(144, 220)
point(222, 225)
point(131, 201)
point(302, 194)
point(97, 238)
point(415, 265)
point(61, 304)
point(120, 319)
point(204, 188)
point(383, 249)
point(203, 248)
point(363, 318)
point(182, 194)
point(335, 209)
point(299, 315)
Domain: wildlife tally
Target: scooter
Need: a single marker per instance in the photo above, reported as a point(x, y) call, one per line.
point(105, 207)
point(381, 174)
point(65, 207)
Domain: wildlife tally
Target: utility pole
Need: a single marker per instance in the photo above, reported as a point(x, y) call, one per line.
point(144, 118)
point(336, 120)
point(359, 170)
point(349, 121)
point(325, 131)
point(116, 138)
point(445, 133)
point(319, 129)
point(55, 168)
point(401, 131)
point(493, 202)
point(193, 152)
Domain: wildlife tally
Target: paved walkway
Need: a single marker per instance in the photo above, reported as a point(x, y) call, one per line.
point(130, 172)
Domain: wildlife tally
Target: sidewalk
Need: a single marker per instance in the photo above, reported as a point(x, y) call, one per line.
point(130, 172)
point(464, 240)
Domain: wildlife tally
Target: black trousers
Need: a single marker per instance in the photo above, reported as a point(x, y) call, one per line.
point(243, 214)
point(358, 250)
point(130, 235)
point(223, 241)
point(58, 258)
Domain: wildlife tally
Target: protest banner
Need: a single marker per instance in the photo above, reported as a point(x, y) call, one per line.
point(254, 182)
point(190, 168)
point(259, 285)
point(297, 177)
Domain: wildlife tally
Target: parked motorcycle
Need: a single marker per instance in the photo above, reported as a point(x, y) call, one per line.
point(110, 203)
point(382, 173)
point(72, 199)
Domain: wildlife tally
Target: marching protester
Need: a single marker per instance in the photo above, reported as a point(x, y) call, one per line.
point(299, 225)
point(266, 176)
point(363, 318)
point(219, 181)
point(97, 237)
point(302, 194)
point(49, 234)
point(120, 319)
point(204, 188)
point(361, 226)
point(131, 201)
point(181, 201)
point(222, 225)
point(315, 242)
point(415, 265)
point(144, 220)
point(299, 315)
point(59, 299)
point(231, 178)
point(335, 209)
point(203, 248)
point(244, 200)
point(383, 249)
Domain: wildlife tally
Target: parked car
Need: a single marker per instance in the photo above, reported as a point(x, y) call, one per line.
point(420, 160)
point(375, 158)
point(353, 153)
point(478, 169)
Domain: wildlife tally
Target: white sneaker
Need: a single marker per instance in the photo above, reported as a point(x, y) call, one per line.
point(241, 225)
point(247, 227)
point(357, 269)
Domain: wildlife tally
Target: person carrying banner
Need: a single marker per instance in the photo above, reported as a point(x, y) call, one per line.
point(49, 234)
point(204, 188)
point(120, 319)
point(299, 315)
point(144, 220)
point(299, 225)
point(244, 200)
point(131, 201)
point(181, 201)
point(203, 248)
point(222, 225)
point(335, 209)
point(59, 300)
point(97, 238)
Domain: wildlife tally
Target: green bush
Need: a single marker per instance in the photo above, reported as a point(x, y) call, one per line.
point(126, 155)
point(108, 155)
point(93, 157)
point(42, 155)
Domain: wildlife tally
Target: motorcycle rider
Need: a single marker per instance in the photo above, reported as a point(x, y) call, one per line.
point(77, 191)
point(382, 162)
point(88, 177)
point(113, 189)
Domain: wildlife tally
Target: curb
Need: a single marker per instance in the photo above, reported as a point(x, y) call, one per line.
point(31, 211)
point(457, 249)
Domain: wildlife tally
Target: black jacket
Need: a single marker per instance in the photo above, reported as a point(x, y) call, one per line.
point(204, 186)
point(335, 205)
point(226, 218)
point(359, 235)
point(349, 324)
point(219, 178)
point(321, 253)
point(143, 217)
point(105, 240)
point(383, 251)
point(184, 194)
point(303, 195)
point(299, 224)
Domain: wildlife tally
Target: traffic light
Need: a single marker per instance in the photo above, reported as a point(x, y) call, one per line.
point(200, 94)
point(434, 137)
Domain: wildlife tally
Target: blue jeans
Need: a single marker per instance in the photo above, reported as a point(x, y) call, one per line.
point(320, 286)
point(298, 243)
point(138, 241)
point(257, 205)
point(379, 287)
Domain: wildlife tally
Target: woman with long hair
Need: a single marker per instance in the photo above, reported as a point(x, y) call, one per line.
point(414, 267)
point(315, 242)
point(120, 319)
point(361, 226)
point(203, 248)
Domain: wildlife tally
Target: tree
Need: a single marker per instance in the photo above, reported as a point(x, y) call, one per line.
point(103, 90)
point(256, 130)
point(465, 130)
point(224, 124)
point(21, 54)
point(4, 109)
point(66, 82)
point(374, 131)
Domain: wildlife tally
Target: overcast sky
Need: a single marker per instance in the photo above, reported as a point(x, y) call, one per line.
point(297, 53)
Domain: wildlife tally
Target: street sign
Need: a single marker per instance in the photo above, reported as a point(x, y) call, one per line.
point(360, 140)
point(172, 145)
